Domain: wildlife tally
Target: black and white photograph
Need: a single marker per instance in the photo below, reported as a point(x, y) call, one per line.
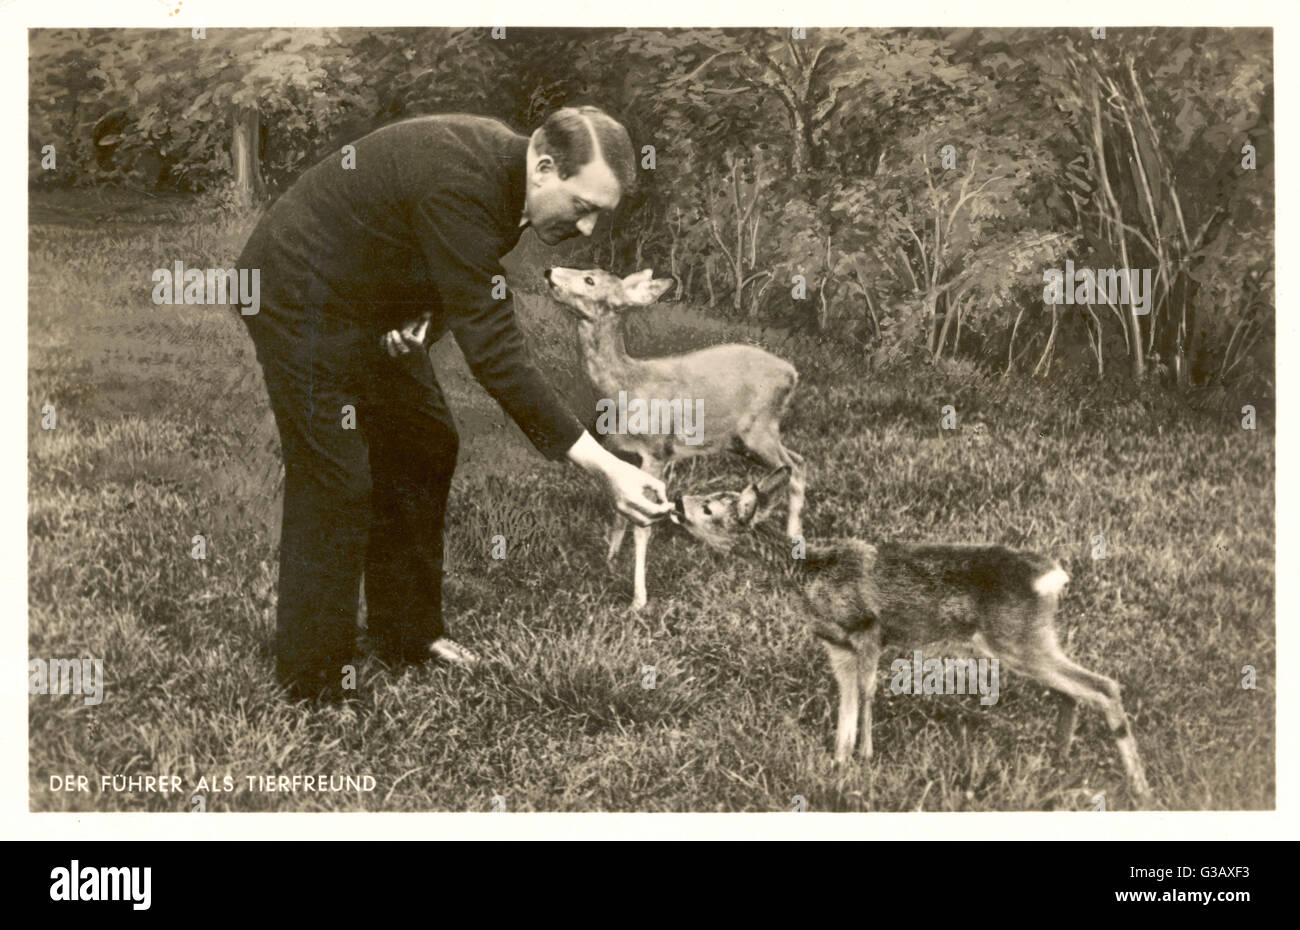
point(684, 419)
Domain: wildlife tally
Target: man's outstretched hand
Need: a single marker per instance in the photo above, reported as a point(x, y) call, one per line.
point(411, 336)
point(638, 495)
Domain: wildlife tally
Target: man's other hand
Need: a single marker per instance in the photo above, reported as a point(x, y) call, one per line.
point(411, 336)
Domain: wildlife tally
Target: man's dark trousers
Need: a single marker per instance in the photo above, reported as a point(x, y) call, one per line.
point(373, 494)
point(415, 228)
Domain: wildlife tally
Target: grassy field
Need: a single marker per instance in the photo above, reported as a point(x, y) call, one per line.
point(163, 433)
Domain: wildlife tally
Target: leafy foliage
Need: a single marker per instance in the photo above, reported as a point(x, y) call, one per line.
point(902, 189)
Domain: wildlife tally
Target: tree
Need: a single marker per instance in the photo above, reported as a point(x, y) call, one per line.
point(1161, 174)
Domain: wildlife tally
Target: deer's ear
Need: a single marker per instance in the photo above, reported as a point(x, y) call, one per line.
point(659, 287)
point(639, 290)
point(773, 481)
point(747, 504)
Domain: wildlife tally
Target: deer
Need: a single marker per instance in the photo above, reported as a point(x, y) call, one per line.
point(726, 398)
point(860, 597)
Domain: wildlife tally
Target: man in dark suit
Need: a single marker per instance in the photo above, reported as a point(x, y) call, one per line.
point(374, 253)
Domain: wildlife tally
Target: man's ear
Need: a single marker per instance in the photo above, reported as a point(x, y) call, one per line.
point(545, 164)
point(747, 504)
point(640, 291)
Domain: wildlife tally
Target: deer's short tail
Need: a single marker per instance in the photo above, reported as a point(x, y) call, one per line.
point(787, 392)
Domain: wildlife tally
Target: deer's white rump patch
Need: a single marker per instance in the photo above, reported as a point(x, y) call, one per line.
point(1052, 582)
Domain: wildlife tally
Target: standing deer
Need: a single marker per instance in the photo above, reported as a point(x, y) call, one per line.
point(861, 597)
point(738, 392)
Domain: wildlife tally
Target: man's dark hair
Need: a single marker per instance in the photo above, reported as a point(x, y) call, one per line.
point(566, 137)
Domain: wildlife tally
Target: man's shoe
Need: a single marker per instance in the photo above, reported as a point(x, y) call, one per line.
point(453, 653)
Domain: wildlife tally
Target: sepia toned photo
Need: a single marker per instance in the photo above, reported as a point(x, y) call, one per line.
point(798, 418)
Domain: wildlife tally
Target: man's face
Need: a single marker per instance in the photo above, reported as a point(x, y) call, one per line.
point(561, 208)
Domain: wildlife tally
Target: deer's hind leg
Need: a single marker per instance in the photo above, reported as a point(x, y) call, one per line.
point(1042, 659)
point(1104, 694)
point(1065, 722)
point(798, 487)
point(1011, 656)
point(766, 446)
point(617, 530)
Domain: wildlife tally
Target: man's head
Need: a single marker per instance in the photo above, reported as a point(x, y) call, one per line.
point(580, 164)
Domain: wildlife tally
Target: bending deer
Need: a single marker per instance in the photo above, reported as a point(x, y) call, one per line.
point(861, 597)
point(727, 398)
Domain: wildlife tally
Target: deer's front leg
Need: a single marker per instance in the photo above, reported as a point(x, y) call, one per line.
point(641, 539)
point(868, 651)
point(844, 666)
point(617, 530)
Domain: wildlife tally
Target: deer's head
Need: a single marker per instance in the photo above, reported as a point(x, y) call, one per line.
point(595, 294)
point(721, 519)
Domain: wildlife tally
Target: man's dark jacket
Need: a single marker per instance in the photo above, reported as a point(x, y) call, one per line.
point(418, 226)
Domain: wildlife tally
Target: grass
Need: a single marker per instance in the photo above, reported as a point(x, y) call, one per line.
point(163, 433)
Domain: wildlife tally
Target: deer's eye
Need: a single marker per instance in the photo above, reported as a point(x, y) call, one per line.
point(707, 511)
point(589, 281)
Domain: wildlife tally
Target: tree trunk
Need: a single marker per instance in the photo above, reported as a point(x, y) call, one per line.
point(943, 334)
point(1045, 358)
point(930, 311)
point(802, 147)
point(673, 272)
point(1137, 357)
point(1011, 346)
point(244, 155)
